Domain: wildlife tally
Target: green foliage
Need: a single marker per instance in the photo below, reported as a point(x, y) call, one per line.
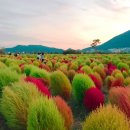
point(36, 63)
point(80, 84)
point(100, 70)
point(28, 69)
point(87, 69)
point(127, 81)
point(73, 66)
point(125, 74)
point(40, 73)
point(108, 81)
point(71, 51)
point(106, 118)
point(44, 115)
point(2, 65)
point(119, 76)
point(7, 77)
point(10, 62)
point(71, 74)
point(49, 63)
point(15, 103)
point(57, 65)
point(93, 64)
point(116, 71)
point(15, 68)
point(122, 65)
point(60, 84)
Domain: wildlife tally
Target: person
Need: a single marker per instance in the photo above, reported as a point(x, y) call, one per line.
point(38, 56)
point(42, 57)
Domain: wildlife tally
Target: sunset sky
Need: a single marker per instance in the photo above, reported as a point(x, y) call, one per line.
point(62, 23)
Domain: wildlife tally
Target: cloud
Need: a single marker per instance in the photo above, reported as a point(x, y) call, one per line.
point(62, 23)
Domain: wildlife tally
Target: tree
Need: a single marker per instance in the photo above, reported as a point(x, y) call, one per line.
point(95, 43)
point(2, 51)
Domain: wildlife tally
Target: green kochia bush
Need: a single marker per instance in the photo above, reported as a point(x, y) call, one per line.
point(44, 115)
point(2, 65)
point(106, 118)
point(81, 83)
point(87, 69)
point(15, 103)
point(122, 65)
point(7, 77)
point(40, 73)
point(28, 69)
point(15, 68)
point(60, 84)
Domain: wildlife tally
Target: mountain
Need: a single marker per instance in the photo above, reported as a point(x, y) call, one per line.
point(33, 48)
point(121, 41)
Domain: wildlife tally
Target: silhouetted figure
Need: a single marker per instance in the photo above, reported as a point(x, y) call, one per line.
point(42, 56)
point(38, 56)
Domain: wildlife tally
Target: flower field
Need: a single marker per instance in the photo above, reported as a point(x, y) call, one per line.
point(65, 92)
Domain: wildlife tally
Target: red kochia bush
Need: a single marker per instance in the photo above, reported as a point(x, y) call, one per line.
point(45, 67)
point(111, 68)
point(121, 97)
point(93, 98)
point(97, 82)
point(40, 85)
point(65, 111)
point(21, 67)
point(117, 82)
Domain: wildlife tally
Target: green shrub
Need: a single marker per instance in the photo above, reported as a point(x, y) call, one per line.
point(40, 73)
point(122, 65)
point(15, 103)
point(15, 68)
point(7, 77)
point(87, 69)
point(49, 63)
point(116, 71)
point(73, 66)
point(36, 63)
point(100, 71)
point(10, 62)
point(125, 74)
point(71, 74)
point(81, 83)
point(44, 115)
point(60, 84)
point(106, 118)
point(127, 81)
point(28, 69)
point(2, 65)
point(93, 64)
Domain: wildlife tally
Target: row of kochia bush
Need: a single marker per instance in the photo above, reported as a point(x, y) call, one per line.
point(35, 107)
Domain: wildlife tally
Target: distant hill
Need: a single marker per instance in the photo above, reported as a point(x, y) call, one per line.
point(121, 41)
point(33, 48)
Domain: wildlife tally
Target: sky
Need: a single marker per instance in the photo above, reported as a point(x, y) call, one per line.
point(62, 23)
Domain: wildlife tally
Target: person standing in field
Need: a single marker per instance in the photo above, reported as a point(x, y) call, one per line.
point(42, 56)
point(38, 56)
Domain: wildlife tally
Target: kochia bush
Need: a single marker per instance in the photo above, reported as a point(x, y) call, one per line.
point(121, 97)
point(93, 98)
point(15, 103)
point(65, 111)
point(40, 73)
point(60, 84)
point(44, 115)
point(106, 118)
point(81, 83)
point(97, 82)
point(40, 85)
point(7, 77)
point(122, 65)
